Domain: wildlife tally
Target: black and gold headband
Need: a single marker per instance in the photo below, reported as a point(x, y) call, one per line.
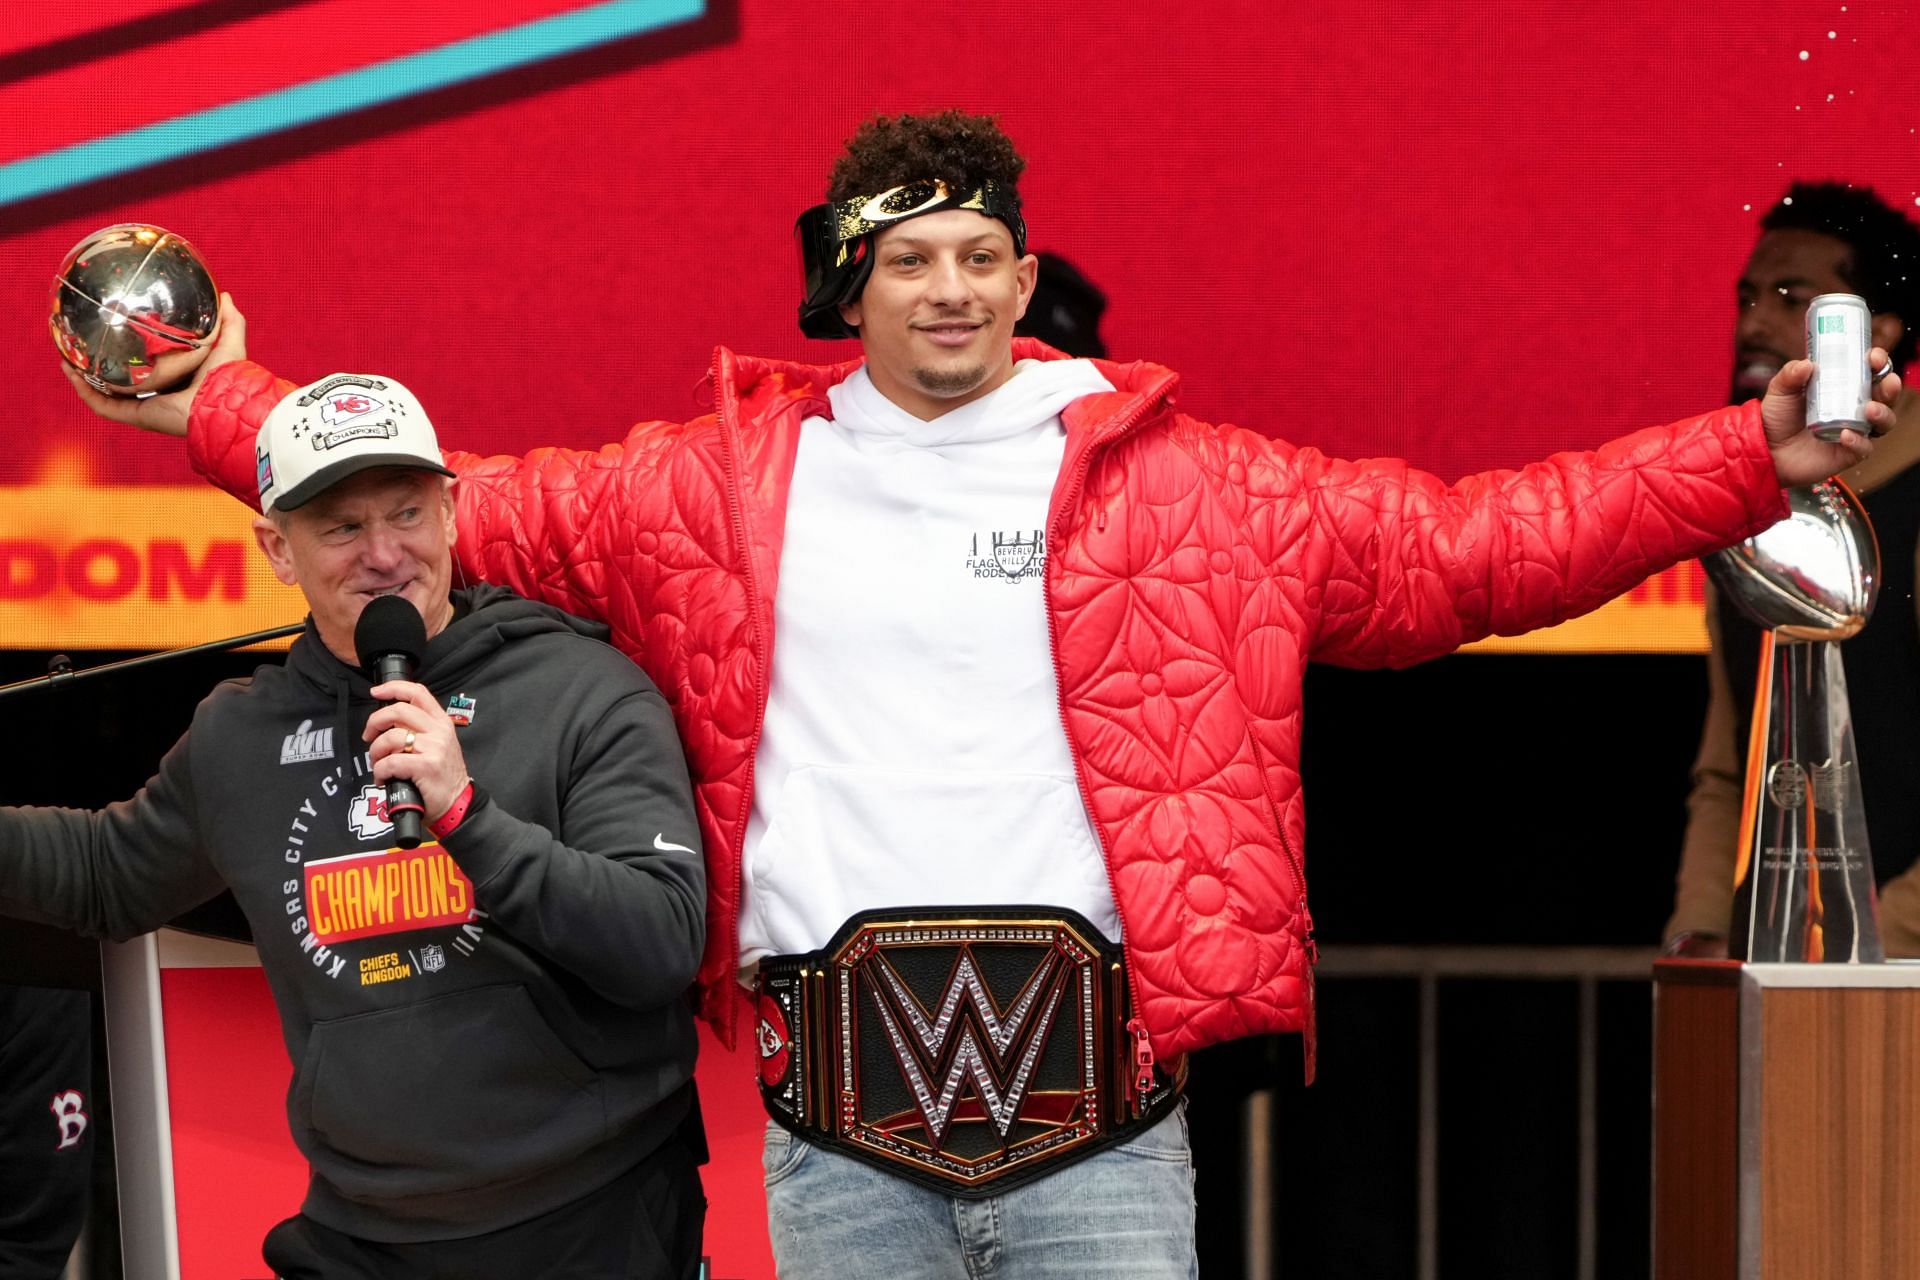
point(836, 241)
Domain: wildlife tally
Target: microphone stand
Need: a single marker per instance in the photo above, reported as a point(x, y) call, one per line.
point(60, 669)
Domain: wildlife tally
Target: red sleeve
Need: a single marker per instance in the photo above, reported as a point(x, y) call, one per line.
point(226, 415)
point(1413, 567)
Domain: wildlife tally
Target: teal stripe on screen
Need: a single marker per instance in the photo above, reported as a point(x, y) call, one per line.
point(348, 91)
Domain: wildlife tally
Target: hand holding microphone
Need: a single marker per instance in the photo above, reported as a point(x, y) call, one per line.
point(414, 749)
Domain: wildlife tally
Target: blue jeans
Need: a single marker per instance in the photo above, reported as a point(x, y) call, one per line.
point(1126, 1212)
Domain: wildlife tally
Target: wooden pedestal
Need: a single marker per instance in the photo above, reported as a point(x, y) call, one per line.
point(1786, 1121)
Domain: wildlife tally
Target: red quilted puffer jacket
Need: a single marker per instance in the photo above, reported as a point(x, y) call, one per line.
point(1193, 570)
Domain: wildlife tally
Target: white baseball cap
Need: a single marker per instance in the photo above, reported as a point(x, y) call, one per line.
point(328, 430)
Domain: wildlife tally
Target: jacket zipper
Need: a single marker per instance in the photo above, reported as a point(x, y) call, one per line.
point(736, 512)
point(1310, 1028)
point(1142, 1046)
point(1142, 1056)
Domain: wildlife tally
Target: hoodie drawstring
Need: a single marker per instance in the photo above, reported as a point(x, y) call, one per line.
point(342, 729)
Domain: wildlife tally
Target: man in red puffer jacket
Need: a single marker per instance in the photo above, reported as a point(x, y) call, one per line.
point(988, 667)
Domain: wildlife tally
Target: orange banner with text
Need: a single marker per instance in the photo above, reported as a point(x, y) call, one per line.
point(85, 565)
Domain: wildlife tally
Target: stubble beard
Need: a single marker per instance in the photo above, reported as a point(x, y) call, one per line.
point(950, 382)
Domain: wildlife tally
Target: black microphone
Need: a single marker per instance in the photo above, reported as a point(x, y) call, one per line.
point(389, 639)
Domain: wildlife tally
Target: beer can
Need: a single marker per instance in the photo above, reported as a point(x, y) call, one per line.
point(1838, 335)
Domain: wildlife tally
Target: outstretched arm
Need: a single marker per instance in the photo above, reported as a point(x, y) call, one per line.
point(111, 873)
point(526, 523)
point(1418, 567)
point(544, 524)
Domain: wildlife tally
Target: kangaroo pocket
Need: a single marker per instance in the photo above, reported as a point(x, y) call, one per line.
point(463, 1091)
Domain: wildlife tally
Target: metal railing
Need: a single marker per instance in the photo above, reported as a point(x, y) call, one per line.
point(1428, 967)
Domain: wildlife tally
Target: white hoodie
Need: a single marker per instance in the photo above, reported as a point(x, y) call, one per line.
point(913, 753)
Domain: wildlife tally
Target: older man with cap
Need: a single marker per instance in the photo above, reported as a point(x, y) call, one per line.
point(492, 1049)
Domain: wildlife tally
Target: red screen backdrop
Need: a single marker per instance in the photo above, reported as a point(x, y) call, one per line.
point(1468, 235)
point(1454, 233)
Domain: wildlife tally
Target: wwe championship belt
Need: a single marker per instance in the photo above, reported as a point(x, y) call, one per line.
point(968, 1049)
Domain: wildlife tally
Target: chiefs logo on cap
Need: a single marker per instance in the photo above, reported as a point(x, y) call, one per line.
point(346, 406)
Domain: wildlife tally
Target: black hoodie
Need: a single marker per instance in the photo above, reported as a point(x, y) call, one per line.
point(483, 1031)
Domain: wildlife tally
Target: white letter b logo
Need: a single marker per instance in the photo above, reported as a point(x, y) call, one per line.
point(68, 1115)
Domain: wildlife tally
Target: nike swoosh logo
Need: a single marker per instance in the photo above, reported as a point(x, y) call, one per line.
point(665, 845)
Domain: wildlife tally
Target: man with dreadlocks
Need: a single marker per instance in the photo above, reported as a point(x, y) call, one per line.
point(1823, 237)
point(1006, 821)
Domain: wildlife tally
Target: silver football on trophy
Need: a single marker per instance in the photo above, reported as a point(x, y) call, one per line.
point(1812, 576)
point(134, 309)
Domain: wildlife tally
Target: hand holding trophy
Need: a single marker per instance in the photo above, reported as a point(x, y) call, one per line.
point(139, 322)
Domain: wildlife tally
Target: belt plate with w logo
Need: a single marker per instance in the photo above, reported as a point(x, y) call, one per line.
point(968, 1049)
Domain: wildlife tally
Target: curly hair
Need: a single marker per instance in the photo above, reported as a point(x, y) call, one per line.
point(1884, 266)
point(963, 150)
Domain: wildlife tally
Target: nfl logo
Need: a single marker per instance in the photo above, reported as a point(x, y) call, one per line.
point(432, 959)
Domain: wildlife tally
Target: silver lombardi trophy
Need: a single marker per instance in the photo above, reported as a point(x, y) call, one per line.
point(1803, 875)
point(134, 309)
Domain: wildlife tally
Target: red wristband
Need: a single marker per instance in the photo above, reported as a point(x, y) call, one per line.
point(456, 813)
